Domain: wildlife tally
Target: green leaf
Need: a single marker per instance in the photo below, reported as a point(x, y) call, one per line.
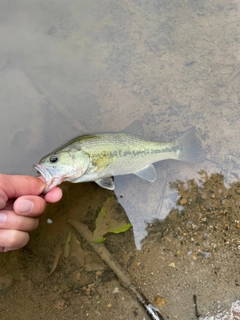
point(112, 218)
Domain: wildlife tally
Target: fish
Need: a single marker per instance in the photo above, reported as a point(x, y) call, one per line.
point(101, 156)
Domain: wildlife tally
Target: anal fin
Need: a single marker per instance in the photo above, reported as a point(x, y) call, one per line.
point(148, 173)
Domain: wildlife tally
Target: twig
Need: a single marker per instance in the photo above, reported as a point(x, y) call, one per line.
point(56, 260)
point(197, 314)
point(122, 275)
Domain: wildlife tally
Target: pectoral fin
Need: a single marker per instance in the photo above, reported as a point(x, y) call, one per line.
point(148, 173)
point(106, 183)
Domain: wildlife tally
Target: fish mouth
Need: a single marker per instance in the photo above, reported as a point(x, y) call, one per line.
point(50, 180)
point(43, 171)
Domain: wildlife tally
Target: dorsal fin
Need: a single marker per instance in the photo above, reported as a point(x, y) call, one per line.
point(135, 128)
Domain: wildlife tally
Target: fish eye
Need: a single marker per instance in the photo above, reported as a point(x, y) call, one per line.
point(53, 159)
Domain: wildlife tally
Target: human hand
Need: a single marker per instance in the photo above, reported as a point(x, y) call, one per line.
point(21, 204)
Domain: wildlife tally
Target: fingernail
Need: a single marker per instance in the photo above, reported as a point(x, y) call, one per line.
point(3, 217)
point(25, 206)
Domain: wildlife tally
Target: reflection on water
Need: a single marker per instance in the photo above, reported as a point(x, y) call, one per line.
point(144, 202)
point(68, 69)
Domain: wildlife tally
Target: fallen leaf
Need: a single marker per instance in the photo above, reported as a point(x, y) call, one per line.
point(112, 218)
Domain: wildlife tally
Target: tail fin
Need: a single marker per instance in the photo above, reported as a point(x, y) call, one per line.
point(189, 147)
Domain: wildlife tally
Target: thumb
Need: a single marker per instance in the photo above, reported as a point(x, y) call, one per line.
point(14, 186)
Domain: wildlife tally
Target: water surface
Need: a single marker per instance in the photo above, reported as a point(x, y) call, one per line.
point(71, 68)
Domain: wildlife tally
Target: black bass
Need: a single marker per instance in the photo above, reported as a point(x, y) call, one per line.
point(98, 157)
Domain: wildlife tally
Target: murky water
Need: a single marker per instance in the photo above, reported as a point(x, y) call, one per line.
point(71, 68)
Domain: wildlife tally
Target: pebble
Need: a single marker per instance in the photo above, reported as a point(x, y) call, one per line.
point(159, 301)
point(183, 201)
point(116, 290)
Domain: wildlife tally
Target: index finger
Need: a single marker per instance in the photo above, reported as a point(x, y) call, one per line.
point(14, 186)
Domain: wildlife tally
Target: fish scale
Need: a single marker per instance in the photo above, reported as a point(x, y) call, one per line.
point(125, 153)
point(98, 157)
